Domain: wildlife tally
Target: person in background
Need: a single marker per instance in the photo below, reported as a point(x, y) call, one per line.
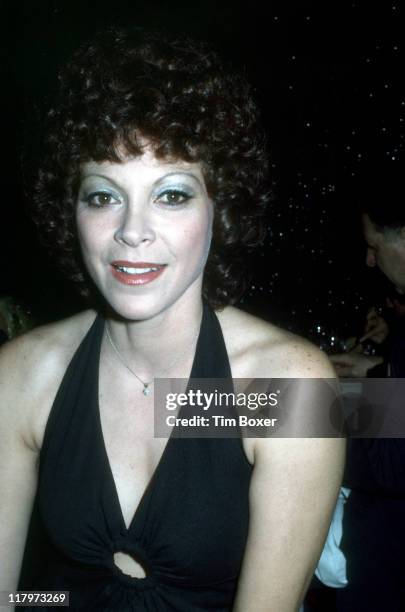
point(383, 222)
point(373, 524)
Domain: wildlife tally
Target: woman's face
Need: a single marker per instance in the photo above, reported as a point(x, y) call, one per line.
point(145, 228)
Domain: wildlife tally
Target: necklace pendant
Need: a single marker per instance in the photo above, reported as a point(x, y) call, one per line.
point(146, 389)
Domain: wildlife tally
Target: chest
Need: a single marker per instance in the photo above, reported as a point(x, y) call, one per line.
point(127, 422)
point(126, 418)
point(180, 499)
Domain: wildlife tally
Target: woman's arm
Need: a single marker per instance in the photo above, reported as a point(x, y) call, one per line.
point(18, 461)
point(294, 487)
point(31, 370)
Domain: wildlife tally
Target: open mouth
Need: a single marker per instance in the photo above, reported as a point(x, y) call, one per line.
point(136, 270)
point(136, 273)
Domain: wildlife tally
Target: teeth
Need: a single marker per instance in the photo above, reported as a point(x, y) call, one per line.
point(136, 270)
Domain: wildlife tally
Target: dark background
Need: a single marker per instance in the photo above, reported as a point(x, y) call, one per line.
point(327, 78)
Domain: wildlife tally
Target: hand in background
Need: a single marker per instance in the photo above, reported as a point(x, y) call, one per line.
point(354, 365)
point(376, 327)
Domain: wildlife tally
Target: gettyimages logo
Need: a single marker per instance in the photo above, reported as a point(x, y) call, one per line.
point(215, 399)
point(288, 407)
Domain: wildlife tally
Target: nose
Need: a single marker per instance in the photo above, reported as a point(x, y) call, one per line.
point(135, 227)
point(370, 258)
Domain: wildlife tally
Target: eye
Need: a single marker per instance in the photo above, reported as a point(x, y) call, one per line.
point(100, 199)
point(173, 197)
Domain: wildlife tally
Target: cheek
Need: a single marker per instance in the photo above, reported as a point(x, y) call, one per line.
point(193, 230)
point(198, 238)
point(90, 232)
point(83, 229)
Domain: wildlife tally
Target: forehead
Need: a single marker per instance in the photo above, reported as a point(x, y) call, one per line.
point(144, 168)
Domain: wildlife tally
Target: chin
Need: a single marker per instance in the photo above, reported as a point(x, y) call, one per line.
point(141, 304)
point(137, 309)
point(142, 307)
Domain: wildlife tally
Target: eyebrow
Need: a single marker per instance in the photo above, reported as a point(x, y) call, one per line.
point(159, 180)
point(175, 173)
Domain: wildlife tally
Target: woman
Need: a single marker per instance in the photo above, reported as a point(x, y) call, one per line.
point(151, 187)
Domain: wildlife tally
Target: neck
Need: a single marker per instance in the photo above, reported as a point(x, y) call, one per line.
point(155, 346)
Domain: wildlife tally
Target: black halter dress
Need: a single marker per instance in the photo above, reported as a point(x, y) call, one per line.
point(189, 530)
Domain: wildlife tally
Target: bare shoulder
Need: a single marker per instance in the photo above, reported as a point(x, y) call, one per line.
point(31, 369)
point(260, 349)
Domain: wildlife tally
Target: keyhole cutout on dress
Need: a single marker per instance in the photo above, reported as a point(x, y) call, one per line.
point(128, 565)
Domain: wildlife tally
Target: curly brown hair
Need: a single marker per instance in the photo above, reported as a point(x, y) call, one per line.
point(126, 86)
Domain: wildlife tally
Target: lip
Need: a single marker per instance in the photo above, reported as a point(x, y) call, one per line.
point(141, 278)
